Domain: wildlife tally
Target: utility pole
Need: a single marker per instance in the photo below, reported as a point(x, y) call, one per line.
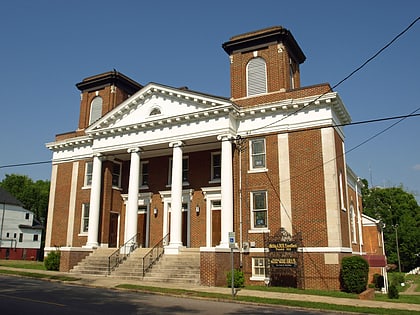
point(398, 250)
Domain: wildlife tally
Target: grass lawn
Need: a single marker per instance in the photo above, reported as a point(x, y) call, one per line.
point(23, 264)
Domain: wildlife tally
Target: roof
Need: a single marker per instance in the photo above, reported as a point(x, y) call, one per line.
point(7, 198)
point(109, 78)
point(261, 38)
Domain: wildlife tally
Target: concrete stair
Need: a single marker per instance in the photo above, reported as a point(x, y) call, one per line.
point(181, 268)
point(132, 267)
point(94, 264)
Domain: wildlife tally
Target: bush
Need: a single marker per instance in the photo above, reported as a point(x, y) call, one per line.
point(393, 292)
point(378, 281)
point(238, 279)
point(354, 274)
point(52, 261)
point(396, 278)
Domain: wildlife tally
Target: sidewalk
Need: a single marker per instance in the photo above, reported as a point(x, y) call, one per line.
point(110, 282)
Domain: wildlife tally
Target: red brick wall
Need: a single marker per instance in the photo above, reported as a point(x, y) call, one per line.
point(307, 187)
point(69, 259)
point(215, 266)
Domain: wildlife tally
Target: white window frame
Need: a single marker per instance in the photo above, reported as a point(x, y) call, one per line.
point(88, 173)
point(256, 76)
point(252, 155)
point(213, 166)
point(253, 210)
point(353, 224)
point(144, 185)
point(340, 179)
point(84, 224)
point(260, 264)
point(116, 175)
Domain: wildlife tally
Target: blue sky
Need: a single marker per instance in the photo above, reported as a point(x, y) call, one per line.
point(49, 46)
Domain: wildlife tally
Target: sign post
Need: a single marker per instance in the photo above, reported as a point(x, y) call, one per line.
point(232, 273)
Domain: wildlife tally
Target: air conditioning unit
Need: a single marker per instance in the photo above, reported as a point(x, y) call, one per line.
point(245, 246)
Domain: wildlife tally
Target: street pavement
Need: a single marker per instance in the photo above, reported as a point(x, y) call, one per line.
point(110, 282)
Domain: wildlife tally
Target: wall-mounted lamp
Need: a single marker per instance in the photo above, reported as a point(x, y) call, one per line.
point(155, 211)
point(197, 209)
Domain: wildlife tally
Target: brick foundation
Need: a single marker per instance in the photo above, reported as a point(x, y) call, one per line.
point(70, 257)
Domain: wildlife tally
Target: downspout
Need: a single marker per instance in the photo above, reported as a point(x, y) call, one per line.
point(359, 217)
point(240, 207)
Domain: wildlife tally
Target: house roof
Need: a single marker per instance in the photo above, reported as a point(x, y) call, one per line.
point(7, 198)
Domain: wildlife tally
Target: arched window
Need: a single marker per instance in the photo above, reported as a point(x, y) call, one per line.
point(95, 109)
point(353, 223)
point(256, 76)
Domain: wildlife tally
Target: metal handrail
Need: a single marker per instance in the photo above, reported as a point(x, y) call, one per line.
point(154, 254)
point(122, 253)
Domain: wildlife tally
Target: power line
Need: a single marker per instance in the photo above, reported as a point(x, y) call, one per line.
point(345, 78)
point(400, 117)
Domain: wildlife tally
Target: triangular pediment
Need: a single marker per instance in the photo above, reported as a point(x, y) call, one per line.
point(157, 104)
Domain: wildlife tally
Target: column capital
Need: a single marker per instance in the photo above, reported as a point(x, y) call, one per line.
point(174, 144)
point(99, 155)
point(134, 150)
point(225, 137)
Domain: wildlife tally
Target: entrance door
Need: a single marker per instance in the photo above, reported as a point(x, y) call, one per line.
point(142, 226)
point(216, 235)
point(113, 230)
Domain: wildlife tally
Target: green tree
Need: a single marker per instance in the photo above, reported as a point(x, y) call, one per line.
point(400, 214)
point(33, 195)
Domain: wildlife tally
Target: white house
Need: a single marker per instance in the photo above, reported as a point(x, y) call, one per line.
point(20, 232)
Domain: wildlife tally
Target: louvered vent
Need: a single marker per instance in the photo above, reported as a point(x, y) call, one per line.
point(95, 109)
point(257, 76)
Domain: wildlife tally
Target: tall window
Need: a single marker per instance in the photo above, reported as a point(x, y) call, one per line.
point(257, 154)
point(340, 179)
point(116, 174)
point(88, 173)
point(216, 166)
point(185, 166)
point(144, 173)
point(259, 209)
point(85, 218)
point(95, 109)
point(353, 223)
point(256, 76)
point(292, 71)
point(20, 237)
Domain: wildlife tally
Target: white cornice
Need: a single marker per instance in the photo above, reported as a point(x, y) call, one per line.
point(69, 143)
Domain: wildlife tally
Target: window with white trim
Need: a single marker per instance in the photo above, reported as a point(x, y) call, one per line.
point(95, 109)
point(185, 166)
point(257, 154)
point(256, 71)
point(216, 166)
point(259, 267)
point(116, 174)
point(144, 174)
point(340, 179)
point(88, 173)
point(259, 210)
point(85, 218)
point(155, 111)
point(353, 223)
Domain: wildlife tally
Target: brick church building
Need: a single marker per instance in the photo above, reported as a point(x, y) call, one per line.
point(152, 162)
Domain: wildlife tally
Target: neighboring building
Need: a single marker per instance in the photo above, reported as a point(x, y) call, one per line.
point(20, 232)
point(374, 248)
point(267, 163)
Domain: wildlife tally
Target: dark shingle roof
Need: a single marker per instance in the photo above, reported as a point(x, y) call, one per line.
point(7, 198)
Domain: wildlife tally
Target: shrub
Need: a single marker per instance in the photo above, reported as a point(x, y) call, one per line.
point(52, 261)
point(354, 274)
point(396, 278)
point(238, 279)
point(378, 281)
point(393, 292)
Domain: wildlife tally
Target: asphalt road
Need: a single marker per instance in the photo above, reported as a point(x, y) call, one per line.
point(31, 296)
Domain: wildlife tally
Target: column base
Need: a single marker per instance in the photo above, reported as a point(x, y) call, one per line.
point(173, 248)
point(91, 245)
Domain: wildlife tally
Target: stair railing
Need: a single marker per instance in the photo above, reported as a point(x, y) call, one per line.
point(122, 253)
point(154, 254)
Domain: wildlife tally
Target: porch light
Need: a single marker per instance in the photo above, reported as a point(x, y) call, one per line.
point(197, 209)
point(155, 211)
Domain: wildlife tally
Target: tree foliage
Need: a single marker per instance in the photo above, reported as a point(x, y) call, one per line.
point(33, 195)
point(400, 214)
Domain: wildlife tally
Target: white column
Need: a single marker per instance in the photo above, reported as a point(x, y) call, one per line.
point(175, 238)
point(133, 195)
point(227, 190)
point(95, 202)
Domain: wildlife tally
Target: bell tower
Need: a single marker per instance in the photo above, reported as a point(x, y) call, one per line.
point(101, 93)
point(263, 64)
